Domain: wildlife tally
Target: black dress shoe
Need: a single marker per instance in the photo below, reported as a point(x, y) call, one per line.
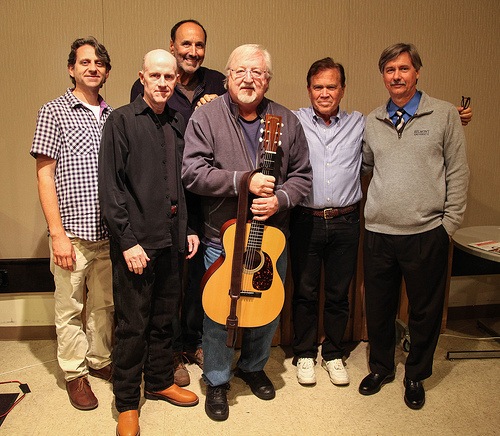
point(414, 394)
point(259, 383)
point(372, 383)
point(216, 406)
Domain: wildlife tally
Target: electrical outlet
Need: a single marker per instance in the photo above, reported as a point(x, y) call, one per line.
point(4, 278)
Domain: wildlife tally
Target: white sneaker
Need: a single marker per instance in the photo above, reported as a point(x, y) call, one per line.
point(336, 371)
point(305, 371)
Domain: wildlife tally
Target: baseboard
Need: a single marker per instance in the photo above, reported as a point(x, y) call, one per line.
point(474, 312)
point(27, 333)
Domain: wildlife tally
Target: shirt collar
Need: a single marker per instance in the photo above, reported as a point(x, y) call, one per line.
point(140, 106)
point(75, 101)
point(200, 75)
point(334, 119)
point(410, 107)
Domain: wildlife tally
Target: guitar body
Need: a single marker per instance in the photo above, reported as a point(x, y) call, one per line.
point(262, 292)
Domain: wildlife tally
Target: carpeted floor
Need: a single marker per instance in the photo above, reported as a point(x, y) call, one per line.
point(462, 398)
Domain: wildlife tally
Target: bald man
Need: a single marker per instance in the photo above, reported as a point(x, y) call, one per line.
point(144, 208)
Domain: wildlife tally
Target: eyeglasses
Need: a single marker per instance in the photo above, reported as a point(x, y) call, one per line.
point(255, 73)
point(465, 102)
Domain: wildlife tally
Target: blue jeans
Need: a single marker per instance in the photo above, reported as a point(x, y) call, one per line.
point(256, 341)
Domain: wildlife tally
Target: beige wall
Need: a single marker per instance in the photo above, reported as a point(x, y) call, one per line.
point(456, 38)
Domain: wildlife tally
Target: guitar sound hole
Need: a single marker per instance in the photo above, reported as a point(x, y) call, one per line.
point(253, 261)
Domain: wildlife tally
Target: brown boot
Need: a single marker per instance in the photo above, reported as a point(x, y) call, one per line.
point(106, 372)
point(195, 356)
point(181, 374)
point(128, 424)
point(80, 394)
point(175, 395)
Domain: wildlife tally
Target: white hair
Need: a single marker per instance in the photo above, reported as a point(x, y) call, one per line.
point(247, 51)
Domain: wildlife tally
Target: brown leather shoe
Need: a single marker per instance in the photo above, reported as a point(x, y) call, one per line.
point(175, 395)
point(181, 374)
point(195, 357)
point(80, 394)
point(106, 373)
point(128, 424)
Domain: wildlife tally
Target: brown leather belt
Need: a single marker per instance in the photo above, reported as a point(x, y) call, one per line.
point(173, 210)
point(329, 212)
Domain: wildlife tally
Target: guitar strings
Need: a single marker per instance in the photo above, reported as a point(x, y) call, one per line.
point(257, 227)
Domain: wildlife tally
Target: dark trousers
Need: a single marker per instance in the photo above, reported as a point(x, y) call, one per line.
point(422, 260)
point(144, 308)
point(188, 328)
point(332, 243)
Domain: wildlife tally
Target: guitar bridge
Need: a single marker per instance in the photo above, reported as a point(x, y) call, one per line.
point(252, 294)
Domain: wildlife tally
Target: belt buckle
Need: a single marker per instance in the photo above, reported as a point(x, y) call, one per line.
point(328, 213)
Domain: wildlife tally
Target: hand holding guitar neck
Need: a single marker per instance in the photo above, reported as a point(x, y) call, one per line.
point(262, 185)
point(263, 208)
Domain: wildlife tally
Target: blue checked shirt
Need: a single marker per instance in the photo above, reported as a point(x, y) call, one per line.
point(335, 155)
point(68, 132)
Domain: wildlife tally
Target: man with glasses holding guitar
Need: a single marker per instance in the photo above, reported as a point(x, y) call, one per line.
point(222, 147)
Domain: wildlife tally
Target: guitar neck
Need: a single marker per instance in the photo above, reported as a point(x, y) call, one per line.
point(268, 163)
point(257, 227)
point(271, 142)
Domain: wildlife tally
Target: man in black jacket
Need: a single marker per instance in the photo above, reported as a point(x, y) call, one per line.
point(196, 85)
point(144, 208)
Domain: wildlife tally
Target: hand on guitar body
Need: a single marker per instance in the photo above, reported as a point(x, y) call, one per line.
point(266, 204)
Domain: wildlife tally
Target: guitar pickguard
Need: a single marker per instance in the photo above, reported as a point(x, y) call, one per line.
point(263, 278)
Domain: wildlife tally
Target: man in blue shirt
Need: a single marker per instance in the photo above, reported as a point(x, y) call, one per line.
point(325, 227)
point(416, 148)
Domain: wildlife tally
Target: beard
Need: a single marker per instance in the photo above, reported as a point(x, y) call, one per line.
point(246, 98)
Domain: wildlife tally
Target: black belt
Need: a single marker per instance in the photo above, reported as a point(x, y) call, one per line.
point(329, 212)
point(173, 210)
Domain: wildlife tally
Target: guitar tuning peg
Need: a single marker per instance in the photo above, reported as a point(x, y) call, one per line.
point(262, 121)
point(282, 125)
point(261, 130)
point(261, 139)
point(279, 143)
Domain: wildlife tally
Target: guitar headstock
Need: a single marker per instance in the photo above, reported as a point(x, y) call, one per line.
point(271, 132)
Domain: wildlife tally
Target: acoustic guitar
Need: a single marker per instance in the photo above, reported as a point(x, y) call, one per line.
point(262, 292)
